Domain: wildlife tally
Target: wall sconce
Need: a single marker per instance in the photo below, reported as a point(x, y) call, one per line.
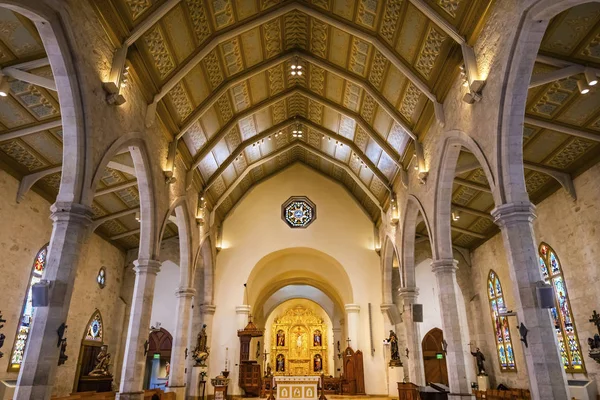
point(395, 212)
point(455, 215)
point(170, 164)
point(470, 81)
point(118, 80)
point(201, 213)
point(420, 163)
point(219, 239)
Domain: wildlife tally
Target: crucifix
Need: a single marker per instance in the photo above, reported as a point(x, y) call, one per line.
point(596, 320)
point(265, 354)
point(348, 342)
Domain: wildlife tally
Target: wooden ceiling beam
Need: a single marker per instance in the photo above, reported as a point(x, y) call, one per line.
point(29, 130)
point(290, 121)
point(210, 145)
point(468, 232)
point(115, 188)
point(473, 185)
point(29, 180)
point(472, 211)
point(566, 129)
point(277, 12)
point(125, 234)
point(99, 221)
point(29, 78)
point(289, 147)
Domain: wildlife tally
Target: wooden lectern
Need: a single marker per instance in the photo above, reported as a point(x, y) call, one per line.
point(408, 391)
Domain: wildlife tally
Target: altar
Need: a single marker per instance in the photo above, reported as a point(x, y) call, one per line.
point(297, 387)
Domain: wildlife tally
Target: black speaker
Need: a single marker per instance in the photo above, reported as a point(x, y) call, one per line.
point(39, 294)
point(417, 312)
point(546, 296)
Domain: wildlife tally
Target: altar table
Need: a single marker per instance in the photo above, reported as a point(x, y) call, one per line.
point(297, 387)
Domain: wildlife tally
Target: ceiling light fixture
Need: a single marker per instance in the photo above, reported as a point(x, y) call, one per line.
point(583, 87)
point(455, 216)
point(297, 131)
point(296, 68)
point(4, 86)
point(590, 77)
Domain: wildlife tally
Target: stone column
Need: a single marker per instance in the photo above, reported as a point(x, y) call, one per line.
point(445, 275)
point(414, 367)
point(547, 379)
point(134, 360)
point(180, 341)
point(69, 232)
point(352, 325)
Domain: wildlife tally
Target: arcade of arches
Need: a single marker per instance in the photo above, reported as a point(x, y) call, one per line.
point(323, 173)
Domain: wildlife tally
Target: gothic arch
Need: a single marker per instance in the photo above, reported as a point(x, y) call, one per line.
point(136, 145)
point(204, 271)
point(75, 168)
point(452, 145)
point(182, 215)
point(413, 208)
point(531, 29)
point(387, 259)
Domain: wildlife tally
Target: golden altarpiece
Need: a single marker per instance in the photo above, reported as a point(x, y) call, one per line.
point(299, 343)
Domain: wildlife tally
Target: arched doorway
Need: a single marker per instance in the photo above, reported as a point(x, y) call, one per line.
point(158, 354)
point(434, 359)
point(91, 345)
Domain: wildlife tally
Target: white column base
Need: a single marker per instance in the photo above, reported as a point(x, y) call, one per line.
point(395, 375)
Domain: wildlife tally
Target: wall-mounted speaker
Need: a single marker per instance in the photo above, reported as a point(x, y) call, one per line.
point(39, 294)
point(417, 312)
point(546, 296)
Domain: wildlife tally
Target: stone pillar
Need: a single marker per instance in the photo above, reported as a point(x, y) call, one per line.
point(69, 232)
point(445, 275)
point(414, 367)
point(352, 325)
point(134, 360)
point(242, 313)
point(547, 379)
point(180, 341)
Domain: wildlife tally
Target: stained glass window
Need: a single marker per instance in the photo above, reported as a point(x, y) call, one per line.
point(101, 278)
point(500, 324)
point(16, 357)
point(94, 329)
point(298, 212)
point(562, 316)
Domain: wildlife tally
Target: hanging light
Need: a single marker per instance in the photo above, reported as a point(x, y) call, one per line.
point(455, 216)
point(590, 77)
point(583, 87)
point(4, 86)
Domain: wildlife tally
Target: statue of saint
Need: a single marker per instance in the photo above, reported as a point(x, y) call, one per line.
point(299, 341)
point(393, 341)
point(480, 359)
point(201, 352)
point(280, 367)
point(317, 339)
point(280, 338)
point(167, 370)
point(318, 363)
point(103, 362)
point(268, 372)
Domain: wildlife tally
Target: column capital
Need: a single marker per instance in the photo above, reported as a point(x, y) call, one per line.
point(142, 266)
point(71, 212)
point(243, 309)
point(513, 212)
point(352, 308)
point(386, 306)
point(208, 308)
point(444, 266)
point(185, 292)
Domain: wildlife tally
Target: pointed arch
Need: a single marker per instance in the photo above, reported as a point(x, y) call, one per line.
point(204, 271)
point(414, 208)
point(500, 324)
point(136, 145)
point(562, 314)
point(387, 259)
point(26, 316)
point(182, 216)
point(451, 148)
point(94, 329)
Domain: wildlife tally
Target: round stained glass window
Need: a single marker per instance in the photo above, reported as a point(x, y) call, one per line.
point(298, 212)
point(101, 278)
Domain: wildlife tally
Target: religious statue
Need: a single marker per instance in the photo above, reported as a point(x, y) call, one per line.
point(268, 372)
point(62, 357)
point(280, 338)
point(480, 359)
point(395, 353)
point(258, 350)
point(201, 351)
point(318, 363)
point(103, 362)
point(299, 341)
point(167, 370)
point(280, 367)
point(2, 336)
point(594, 342)
point(317, 339)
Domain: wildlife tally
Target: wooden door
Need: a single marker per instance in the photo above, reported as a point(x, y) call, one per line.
point(434, 359)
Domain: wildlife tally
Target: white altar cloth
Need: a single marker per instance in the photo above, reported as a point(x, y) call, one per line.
point(297, 387)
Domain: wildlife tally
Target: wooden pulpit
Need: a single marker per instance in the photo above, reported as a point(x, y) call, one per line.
point(408, 391)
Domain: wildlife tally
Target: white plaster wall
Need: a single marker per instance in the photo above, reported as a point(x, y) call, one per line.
point(428, 296)
point(26, 227)
point(318, 310)
point(254, 229)
point(164, 304)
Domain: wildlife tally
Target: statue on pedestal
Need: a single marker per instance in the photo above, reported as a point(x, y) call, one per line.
point(480, 359)
point(201, 351)
point(394, 351)
point(103, 362)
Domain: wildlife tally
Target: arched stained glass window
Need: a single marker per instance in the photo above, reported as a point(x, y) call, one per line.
point(16, 356)
point(500, 325)
point(562, 316)
point(93, 332)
